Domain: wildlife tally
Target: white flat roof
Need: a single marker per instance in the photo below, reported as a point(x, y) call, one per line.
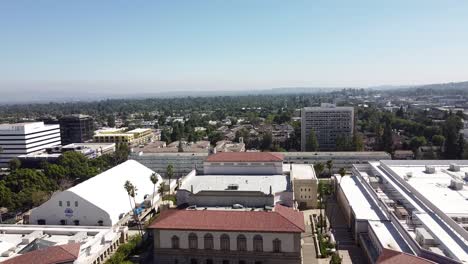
point(360, 201)
point(435, 187)
point(52, 235)
point(302, 171)
point(389, 236)
point(278, 183)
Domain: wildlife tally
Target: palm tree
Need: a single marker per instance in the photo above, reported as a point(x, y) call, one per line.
point(170, 173)
point(131, 191)
point(161, 192)
point(319, 167)
point(154, 180)
point(342, 172)
point(329, 166)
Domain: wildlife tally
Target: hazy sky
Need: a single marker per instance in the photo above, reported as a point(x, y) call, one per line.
point(165, 45)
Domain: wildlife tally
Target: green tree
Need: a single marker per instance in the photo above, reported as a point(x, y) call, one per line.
point(342, 172)
point(154, 181)
point(311, 142)
point(329, 166)
point(267, 142)
point(358, 143)
point(131, 191)
point(14, 164)
point(417, 142)
point(438, 140)
point(111, 121)
point(6, 196)
point(451, 129)
point(170, 174)
point(319, 167)
point(214, 137)
point(387, 138)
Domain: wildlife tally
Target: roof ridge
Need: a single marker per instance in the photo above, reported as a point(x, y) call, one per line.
point(68, 248)
point(289, 220)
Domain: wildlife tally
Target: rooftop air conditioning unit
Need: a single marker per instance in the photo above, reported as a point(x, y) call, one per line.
point(454, 167)
point(456, 184)
point(430, 169)
point(409, 174)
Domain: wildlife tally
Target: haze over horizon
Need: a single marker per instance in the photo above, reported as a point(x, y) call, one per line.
point(120, 47)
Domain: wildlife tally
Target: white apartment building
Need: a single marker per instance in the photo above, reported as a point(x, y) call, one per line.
point(25, 138)
point(328, 122)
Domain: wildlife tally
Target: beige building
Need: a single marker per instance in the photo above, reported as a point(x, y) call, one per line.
point(304, 185)
point(328, 122)
point(133, 137)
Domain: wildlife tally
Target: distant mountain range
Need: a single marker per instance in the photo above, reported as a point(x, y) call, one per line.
point(66, 95)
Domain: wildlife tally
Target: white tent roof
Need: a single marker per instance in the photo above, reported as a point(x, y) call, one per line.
point(107, 192)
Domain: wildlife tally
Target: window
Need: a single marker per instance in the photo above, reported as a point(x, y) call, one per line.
point(208, 241)
point(76, 203)
point(68, 203)
point(193, 261)
point(100, 223)
point(41, 222)
point(242, 262)
point(60, 203)
point(241, 243)
point(276, 245)
point(225, 243)
point(258, 243)
point(209, 261)
point(76, 222)
point(193, 241)
point(63, 222)
point(225, 261)
point(175, 242)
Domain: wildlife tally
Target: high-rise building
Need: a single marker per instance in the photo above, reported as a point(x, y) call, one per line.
point(328, 122)
point(76, 129)
point(24, 138)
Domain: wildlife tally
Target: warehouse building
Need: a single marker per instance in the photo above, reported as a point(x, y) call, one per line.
point(99, 201)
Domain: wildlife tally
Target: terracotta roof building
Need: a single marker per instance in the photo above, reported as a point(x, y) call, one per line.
point(389, 256)
point(245, 157)
point(67, 253)
point(228, 236)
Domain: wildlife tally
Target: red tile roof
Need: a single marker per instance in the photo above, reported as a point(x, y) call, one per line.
point(245, 157)
point(50, 255)
point(389, 256)
point(284, 220)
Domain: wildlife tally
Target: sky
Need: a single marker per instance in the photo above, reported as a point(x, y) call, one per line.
point(152, 46)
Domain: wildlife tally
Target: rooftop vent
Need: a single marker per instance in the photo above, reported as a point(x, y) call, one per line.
point(233, 187)
point(409, 174)
point(430, 169)
point(454, 167)
point(466, 176)
point(456, 184)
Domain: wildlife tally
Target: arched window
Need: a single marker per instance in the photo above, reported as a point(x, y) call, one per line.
point(193, 241)
point(208, 241)
point(276, 245)
point(225, 243)
point(175, 242)
point(258, 243)
point(241, 243)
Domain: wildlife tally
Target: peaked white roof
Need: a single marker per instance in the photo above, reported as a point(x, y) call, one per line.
point(106, 190)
